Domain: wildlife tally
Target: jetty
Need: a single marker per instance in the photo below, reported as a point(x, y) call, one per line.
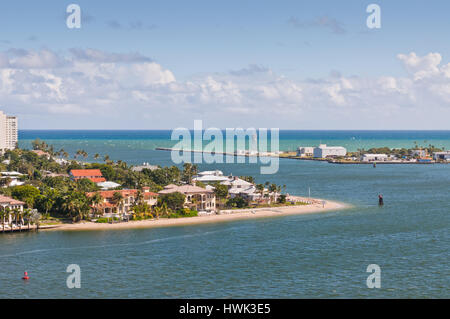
point(236, 153)
point(15, 229)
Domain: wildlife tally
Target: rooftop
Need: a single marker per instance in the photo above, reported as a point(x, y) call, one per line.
point(86, 173)
point(10, 201)
point(185, 189)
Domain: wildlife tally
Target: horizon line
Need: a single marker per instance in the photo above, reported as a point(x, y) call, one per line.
point(284, 129)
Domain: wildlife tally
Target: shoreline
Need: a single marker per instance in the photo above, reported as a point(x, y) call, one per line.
point(285, 155)
point(243, 214)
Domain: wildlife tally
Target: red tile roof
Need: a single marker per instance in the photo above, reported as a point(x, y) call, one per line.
point(86, 173)
point(110, 194)
point(124, 192)
point(98, 179)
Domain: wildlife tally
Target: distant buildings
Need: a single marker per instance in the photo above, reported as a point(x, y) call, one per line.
point(8, 132)
point(374, 158)
point(305, 151)
point(324, 151)
point(419, 153)
point(95, 175)
point(442, 156)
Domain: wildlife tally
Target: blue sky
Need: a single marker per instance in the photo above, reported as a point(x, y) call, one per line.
point(283, 44)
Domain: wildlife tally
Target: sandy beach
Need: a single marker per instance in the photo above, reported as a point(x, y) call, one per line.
point(223, 217)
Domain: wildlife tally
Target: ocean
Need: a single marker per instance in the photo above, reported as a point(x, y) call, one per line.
point(310, 256)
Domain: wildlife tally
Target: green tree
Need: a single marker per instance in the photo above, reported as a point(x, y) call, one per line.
point(221, 191)
point(94, 201)
point(26, 193)
point(189, 171)
point(173, 200)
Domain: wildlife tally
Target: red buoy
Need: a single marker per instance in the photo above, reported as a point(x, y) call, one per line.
point(25, 276)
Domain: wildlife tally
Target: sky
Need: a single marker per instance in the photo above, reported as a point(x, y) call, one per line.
point(283, 64)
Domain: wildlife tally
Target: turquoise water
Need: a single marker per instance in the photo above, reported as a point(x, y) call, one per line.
point(136, 146)
point(311, 256)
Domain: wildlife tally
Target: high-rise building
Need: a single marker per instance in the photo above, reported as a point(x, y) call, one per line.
point(8, 132)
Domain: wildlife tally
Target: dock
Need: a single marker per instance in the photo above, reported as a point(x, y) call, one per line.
point(15, 229)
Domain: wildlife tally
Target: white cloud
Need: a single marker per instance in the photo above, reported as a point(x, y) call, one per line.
point(126, 90)
point(421, 67)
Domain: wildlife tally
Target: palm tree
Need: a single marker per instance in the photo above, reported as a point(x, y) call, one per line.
point(74, 206)
point(260, 189)
point(95, 201)
point(2, 216)
point(165, 210)
point(8, 215)
point(118, 200)
point(96, 156)
point(157, 210)
point(17, 215)
point(27, 216)
point(189, 171)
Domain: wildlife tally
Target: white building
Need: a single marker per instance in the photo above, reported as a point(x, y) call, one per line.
point(419, 153)
point(14, 179)
point(210, 177)
point(236, 182)
point(374, 158)
point(323, 151)
point(305, 151)
point(443, 156)
point(8, 132)
point(108, 185)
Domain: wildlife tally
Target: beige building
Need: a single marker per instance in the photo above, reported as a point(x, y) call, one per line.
point(10, 204)
point(110, 206)
point(197, 198)
point(8, 132)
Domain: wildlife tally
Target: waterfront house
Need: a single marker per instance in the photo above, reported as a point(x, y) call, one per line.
point(324, 151)
point(197, 198)
point(8, 203)
point(111, 205)
point(95, 175)
point(249, 193)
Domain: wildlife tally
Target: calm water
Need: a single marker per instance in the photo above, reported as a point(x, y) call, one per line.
point(323, 255)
